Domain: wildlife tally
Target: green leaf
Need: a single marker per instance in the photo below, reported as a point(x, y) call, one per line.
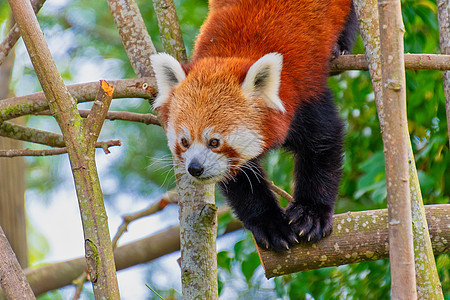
point(249, 266)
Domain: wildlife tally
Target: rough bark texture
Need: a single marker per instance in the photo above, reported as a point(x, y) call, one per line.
point(427, 279)
point(12, 278)
point(80, 148)
point(395, 140)
point(443, 13)
point(198, 230)
point(135, 38)
point(412, 61)
point(12, 182)
point(30, 104)
point(169, 28)
point(357, 237)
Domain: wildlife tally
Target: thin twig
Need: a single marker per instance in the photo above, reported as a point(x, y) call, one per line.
point(148, 119)
point(280, 192)
point(14, 34)
point(47, 152)
point(169, 197)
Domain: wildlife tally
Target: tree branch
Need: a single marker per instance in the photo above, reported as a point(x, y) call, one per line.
point(30, 104)
point(14, 34)
point(94, 120)
point(169, 197)
point(427, 279)
point(12, 278)
point(443, 14)
point(395, 140)
point(47, 152)
point(134, 35)
point(19, 132)
point(57, 275)
point(353, 236)
point(412, 61)
point(169, 28)
point(357, 237)
point(98, 248)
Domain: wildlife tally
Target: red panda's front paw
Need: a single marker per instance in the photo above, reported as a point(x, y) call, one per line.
point(311, 224)
point(272, 232)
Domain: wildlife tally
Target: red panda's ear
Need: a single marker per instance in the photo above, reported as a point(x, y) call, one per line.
point(168, 73)
point(263, 80)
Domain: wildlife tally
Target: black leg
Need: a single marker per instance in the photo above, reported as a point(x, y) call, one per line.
point(316, 138)
point(347, 37)
point(249, 195)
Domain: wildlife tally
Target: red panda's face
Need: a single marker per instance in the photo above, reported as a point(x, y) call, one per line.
point(213, 116)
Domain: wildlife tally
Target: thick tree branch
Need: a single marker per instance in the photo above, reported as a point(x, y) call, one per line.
point(12, 279)
point(27, 134)
point(169, 28)
point(412, 61)
point(134, 35)
point(443, 13)
point(395, 140)
point(14, 34)
point(30, 104)
point(357, 237)
point(82, 158)
point(342, 247)
point(428, 284)
point(146, 87)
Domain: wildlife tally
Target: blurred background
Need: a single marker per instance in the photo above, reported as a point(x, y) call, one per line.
point(86, 47)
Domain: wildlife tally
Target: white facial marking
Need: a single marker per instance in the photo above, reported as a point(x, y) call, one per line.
point(215, 165)
point(246, 142)
point(263, 80)
point(171, 135)
point(168, 73)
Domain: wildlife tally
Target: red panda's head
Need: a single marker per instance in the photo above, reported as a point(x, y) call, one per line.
point(214, 110)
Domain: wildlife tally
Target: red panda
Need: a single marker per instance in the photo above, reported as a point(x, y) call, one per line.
point(257, 81)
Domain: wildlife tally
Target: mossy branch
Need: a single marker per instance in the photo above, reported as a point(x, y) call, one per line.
point(357, 237)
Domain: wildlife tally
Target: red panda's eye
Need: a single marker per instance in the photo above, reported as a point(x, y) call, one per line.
point(185, 143)
point(213, 143)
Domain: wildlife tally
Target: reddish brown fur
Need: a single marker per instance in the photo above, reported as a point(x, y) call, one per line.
point(247, 30)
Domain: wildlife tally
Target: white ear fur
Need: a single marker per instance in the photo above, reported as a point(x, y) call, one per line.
point(263, 80)
point(168, 73)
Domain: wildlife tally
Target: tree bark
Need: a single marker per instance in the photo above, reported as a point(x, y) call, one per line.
point(412, 61)
point(395, 140)
point(135, 38)
point(427, 279)
point(198, 230)
point(357, 237)
point(31, 104)
point(443, 13)
point(12, 182)
point(12, 278)
point(169, 28)
point(80, 138)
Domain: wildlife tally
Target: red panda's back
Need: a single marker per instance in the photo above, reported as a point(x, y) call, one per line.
point(304, 31)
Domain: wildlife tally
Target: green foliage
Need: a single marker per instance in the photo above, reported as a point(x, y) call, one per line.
point(144, 165)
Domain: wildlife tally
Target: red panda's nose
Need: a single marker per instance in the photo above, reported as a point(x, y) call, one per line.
point(195, 169)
